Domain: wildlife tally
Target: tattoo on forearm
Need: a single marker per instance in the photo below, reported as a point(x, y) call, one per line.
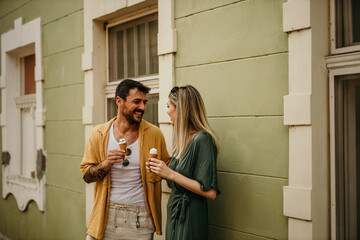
point(95, 173)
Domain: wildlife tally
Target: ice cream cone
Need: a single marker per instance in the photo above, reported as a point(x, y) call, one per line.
point(122, 144)
point(153, 153)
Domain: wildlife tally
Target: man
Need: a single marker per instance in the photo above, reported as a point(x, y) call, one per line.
point(127, 197)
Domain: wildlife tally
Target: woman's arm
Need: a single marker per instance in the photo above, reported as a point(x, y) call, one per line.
point(160, 168)
point(192, 185)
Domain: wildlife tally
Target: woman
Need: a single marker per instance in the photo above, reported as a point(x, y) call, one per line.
point(191, 174)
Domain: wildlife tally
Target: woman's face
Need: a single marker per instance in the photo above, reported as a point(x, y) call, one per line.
point(171, 111)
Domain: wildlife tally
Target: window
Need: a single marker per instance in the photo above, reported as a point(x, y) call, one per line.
point(132, 53)
point(133, 49)
point(29, 74)
point(347, 23)
point(22, 114)
point(26, 103)
point(347, 156)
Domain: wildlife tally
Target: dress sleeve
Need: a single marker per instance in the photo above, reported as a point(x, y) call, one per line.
point(205, 171)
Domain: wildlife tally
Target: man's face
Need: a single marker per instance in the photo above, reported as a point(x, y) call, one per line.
point(134, 107)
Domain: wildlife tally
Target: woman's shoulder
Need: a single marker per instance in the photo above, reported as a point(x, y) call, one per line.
point(204, 140)
point(203, 137)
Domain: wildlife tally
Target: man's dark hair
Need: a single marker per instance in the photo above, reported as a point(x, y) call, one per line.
point(126, 85)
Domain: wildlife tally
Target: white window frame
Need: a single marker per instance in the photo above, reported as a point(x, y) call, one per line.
point(23, 40)
point(334, 49)
point(340, 65)
point(343, 61)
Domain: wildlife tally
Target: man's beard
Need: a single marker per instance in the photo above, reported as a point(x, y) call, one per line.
point(130, 116)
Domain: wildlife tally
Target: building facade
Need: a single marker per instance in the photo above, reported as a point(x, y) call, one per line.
point(280, 80)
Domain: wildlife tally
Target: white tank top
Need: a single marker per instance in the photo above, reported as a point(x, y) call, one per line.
point(126, 185)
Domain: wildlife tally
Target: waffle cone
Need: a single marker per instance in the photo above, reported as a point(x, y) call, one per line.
point(152, 155)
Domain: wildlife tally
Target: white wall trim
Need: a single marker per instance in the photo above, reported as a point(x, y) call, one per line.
point(24, 39)
point(305, 112)
point(167, 42)
point(343, 61)
point(297, 109)
point(167, 45)
point(301, 198)
point(296, 15)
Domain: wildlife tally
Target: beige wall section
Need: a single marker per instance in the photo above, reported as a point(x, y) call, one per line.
point(167, 46)
point(308, 125)
point(93, 61)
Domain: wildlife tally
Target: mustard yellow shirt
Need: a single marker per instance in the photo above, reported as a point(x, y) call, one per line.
point(150, 136)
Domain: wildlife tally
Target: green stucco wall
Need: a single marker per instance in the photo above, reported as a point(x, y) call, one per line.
point(62, 45)
point(236, 54)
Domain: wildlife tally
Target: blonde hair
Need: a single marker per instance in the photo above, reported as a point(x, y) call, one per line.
point(190, 118)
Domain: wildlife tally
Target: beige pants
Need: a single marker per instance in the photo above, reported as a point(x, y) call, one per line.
point(127, 222)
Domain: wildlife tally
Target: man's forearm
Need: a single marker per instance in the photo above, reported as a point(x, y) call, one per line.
point(95, 173)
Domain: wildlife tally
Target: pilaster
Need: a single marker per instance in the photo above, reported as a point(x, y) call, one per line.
point(305, 112)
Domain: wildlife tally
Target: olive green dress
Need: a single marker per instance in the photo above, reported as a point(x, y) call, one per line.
point(188, 212)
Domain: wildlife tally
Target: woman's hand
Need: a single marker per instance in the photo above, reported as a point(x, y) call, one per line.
point(160, 168)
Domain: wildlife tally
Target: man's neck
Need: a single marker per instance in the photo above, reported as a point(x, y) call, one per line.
point(124, 129)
